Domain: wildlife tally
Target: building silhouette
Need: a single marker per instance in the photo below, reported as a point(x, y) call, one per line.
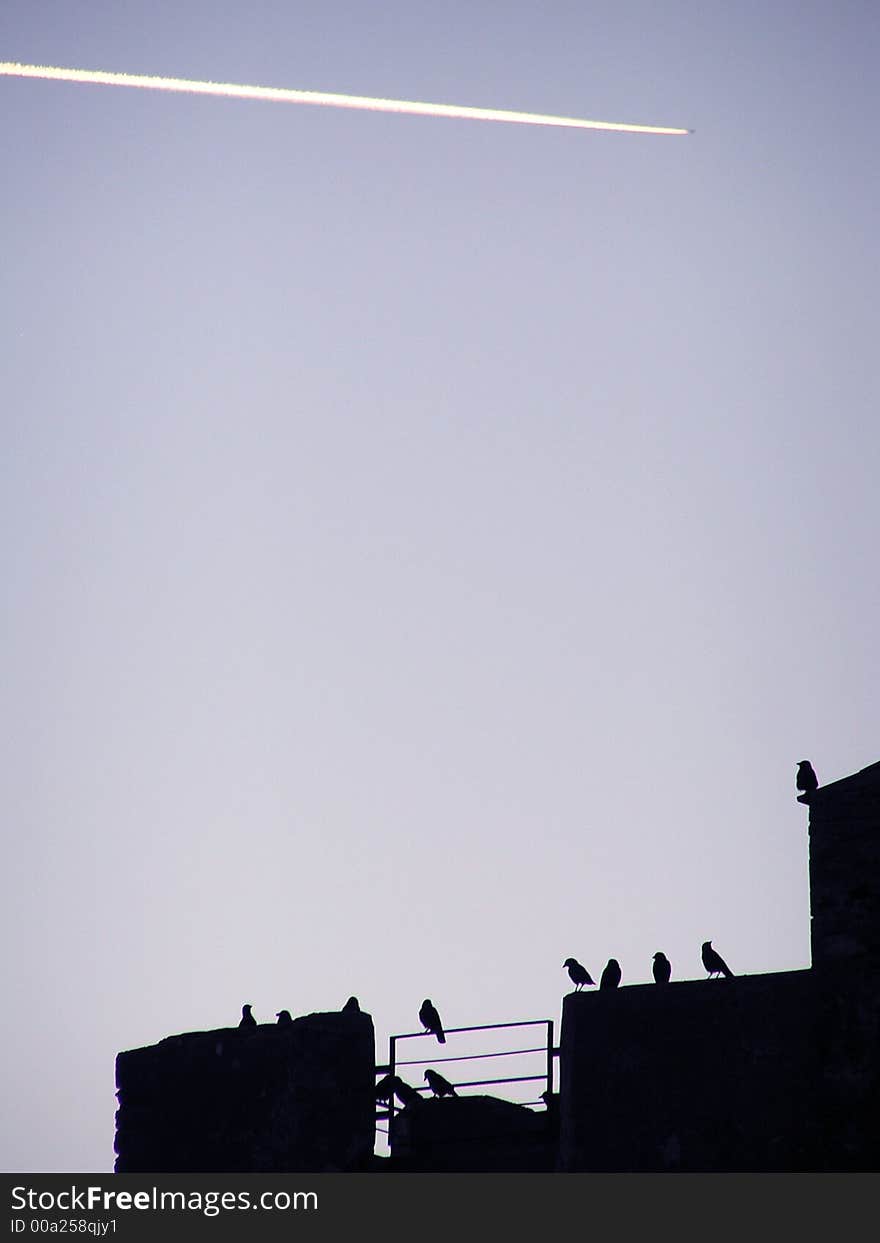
point(774, 1072)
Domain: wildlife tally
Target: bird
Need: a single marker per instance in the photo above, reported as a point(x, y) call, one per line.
point(284, 1019)
point(806, 779)
point(405, 1094)
point(247, 1020)
point(713, 962)
point(610, 977)
point(662, 968)
point(578, 974)
point(430, 1020)
point(551, 1100)
point(385, 1088)
point(438, 1085)
point(352, 1006)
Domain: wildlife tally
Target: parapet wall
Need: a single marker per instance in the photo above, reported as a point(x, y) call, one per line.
point(845, 870)
point(695, 1075)
point(272, 1100)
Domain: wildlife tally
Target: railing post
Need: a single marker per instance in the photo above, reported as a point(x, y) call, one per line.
point(391, 1055)
point(549, 1058)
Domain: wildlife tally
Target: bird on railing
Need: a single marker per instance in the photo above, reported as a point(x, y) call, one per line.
point(713, 962)
point(406, 1094)
point(662, 968)
point(385, 1088)
point(610, 977)
point(430, 1020)
point(438, 1085)
point(578, 974)
point(247, 1021)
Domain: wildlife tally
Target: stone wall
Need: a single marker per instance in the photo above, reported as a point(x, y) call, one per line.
point(471, 1134)
point(695, 1075)
point(275, 1099)
point(845, 870)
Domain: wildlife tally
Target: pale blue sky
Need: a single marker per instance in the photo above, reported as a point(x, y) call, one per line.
point(429, 545)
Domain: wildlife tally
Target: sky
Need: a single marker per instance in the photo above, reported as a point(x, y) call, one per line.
point(429, 545)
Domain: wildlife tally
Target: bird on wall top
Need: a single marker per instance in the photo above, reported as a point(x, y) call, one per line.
point(806, 780)
point(578, 974)
point(610, 977)
point(713, 962)
point(438, 1085)
point(352, 1006)
point(662, 968)
point(430, 1020)
point(284, 1018)
point(247, 1020)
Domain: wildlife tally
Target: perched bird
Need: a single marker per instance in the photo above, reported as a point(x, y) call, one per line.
point(351, 1006)
point(610, 977)
point(284, 1019)
point(430, 1020)
point(713, 962)
point(551, 1100)
point(247, 1019)
point(385, 1088)
point(578, 975)
point(806, 779)
point(662, 968)
point(405, 1094)
point(393, 1085)
point(438, 1085)
point(551, 1117)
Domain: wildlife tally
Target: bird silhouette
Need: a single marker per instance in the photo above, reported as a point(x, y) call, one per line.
point(662, 968)
point(393, 1085)
point(578, 974)
point(551, 1101)
point(247, 1020)
point(284, 1019)
point(430, 1020)
point(713, 962)
point(405, 1094)
point(385, 1088)
point(438, 1085)
point(806, 779)
point(610, 977)
point(352, 1006)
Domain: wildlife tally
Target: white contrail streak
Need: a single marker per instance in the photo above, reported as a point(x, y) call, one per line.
point(282, 95)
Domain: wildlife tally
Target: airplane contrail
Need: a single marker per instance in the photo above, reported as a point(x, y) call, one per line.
point(283, 95)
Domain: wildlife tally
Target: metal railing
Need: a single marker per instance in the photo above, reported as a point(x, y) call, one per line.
point(394, 1065)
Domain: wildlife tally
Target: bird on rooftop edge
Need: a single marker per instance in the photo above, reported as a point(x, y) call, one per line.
point(578, 974)
point(806, 780)
point(610, 977)
point(662, 968)
point(430, 1020)
point(352, 1006)
point(284, 1018)
point(713, 962)
point(438, 1085)
point(247, 1020)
